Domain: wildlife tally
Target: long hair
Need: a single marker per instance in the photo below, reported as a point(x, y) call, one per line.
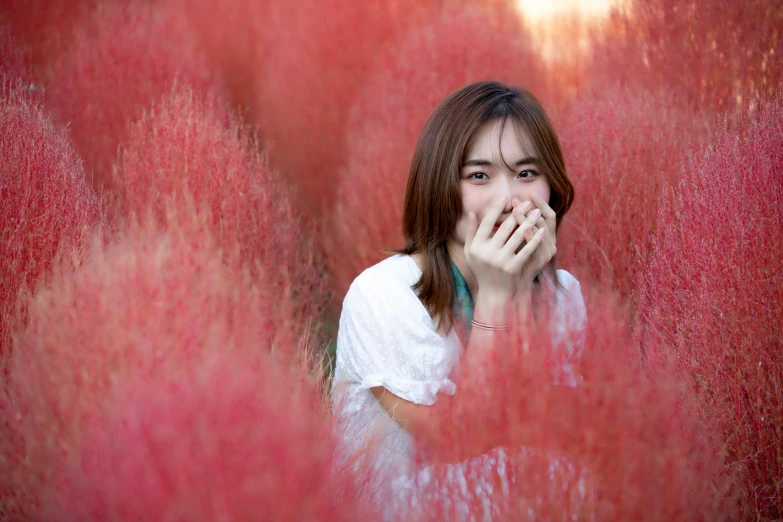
point(433, 202)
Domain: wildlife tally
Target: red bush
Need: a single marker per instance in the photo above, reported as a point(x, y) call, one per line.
point(47, 206)
point(296, 69)
point(319, 63)
point(189, 156)
point(45, 27)
point(215, 441)
point(713, 295)
point(150, 305)
point(122, 57)
point(622, 148)
point(437, 58)
point(235, 39)
point(624, 444)
point(14, 57)
point(714, 55)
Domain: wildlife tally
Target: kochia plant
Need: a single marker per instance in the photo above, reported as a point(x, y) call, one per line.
point(189, 162)
point(122, 57)
point(151, 305)
point(48, 208)
point(714, 297)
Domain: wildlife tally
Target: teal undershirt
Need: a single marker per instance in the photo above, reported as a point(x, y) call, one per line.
point(463, 301)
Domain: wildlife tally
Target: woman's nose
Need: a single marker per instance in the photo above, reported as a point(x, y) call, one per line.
point(504, 191)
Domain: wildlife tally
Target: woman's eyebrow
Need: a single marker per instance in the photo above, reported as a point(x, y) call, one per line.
point(529, 160)
point(477, 163)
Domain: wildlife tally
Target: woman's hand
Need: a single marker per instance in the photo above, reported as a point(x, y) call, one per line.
point(545, 219)
point(494, 259)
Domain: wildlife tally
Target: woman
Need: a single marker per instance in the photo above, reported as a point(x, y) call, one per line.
point(486, 192)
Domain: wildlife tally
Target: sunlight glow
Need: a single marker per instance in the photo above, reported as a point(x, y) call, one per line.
point(560, 28)
point(537, 10)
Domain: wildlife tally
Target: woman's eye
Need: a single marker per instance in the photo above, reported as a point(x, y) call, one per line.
point(478, 175)
point(527, 174)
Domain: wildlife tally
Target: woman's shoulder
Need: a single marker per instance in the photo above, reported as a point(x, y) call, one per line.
point(567, 280)
point(390, 280)
point(397, 270)
point(383, 296)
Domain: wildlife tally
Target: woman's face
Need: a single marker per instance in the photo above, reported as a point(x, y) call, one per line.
point(485, 178)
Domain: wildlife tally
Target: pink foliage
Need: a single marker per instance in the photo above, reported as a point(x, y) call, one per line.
point(296, 68)
point(150, 305)
point(122, 58)
point(47, 207)
point(622, 148)
point(171, 375)
point(14, 57)
point(436, 58)
point(212, 441)
point(713, 294)
point(623, 444)
point(189, 161)
point(45, 27)
point(234, 43)
point(319, 57)
point(714, 55)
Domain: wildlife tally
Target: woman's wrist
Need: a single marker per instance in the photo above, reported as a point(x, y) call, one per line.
point(492, 308)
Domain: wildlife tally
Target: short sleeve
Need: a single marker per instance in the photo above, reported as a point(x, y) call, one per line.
point(386, 338)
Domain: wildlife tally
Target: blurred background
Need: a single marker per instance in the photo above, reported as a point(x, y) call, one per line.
point(190, 186)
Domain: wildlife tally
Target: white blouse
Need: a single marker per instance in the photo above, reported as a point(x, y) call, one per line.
point(387, 338)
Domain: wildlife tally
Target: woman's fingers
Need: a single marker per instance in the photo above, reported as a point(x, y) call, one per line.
point(516, 239)
point(531, 217)
point(522, 257)
point(549, 238)
point(521, 206)
point(488, 223)
point(548, 214)
point(548, 248)
point(505, 230)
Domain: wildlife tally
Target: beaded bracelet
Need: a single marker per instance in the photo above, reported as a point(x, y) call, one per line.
point(485, 326)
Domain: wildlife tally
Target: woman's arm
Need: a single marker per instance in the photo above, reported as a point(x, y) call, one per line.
point(426, 423)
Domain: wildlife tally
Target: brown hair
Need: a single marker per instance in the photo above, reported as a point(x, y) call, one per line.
point(433, 203)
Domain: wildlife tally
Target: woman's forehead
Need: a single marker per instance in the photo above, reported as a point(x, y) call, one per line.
point(501, 143)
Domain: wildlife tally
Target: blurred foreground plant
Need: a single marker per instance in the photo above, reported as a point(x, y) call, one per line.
point(47, 206)
point(48, 212)
point(152, 306)
point(216, 439)
point(623, 444)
